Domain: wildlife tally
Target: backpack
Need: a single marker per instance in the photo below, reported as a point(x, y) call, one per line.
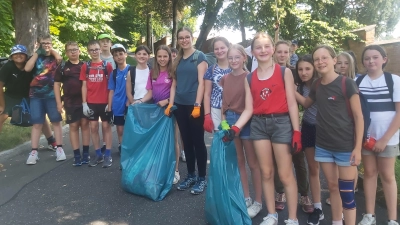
point(3, 61)
point(388, 79)
point(103, 67)
point(210, 58)
point(364, 106)
point(132, 70)
point(250, 75)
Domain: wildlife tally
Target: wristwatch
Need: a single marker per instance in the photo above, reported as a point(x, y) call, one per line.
point(197, 104)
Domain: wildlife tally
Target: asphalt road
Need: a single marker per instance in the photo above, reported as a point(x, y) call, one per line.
point(53, 192)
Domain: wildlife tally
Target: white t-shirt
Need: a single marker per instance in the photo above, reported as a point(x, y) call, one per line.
point(254, 64)
point(381, 105)
point(140, 83)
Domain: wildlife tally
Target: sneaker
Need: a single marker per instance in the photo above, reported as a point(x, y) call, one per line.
point(77, 161)
point(85, 158)
point(249, 202)
point(315, 217)
point(107, 162)
point(176, 177)
point(187, 183)
point(183, 157)
point(254, 209)
point(306, 204)
point(60, 154)
point(103, 149)
point(269, 220)
point(119, 149)
point(199, 186)
point(97, 160)
point(52, 146)
point(368, 219)
point(33, 157)
point(328, 201)
point(392, 222)
point(292, 222)
point(280, 201)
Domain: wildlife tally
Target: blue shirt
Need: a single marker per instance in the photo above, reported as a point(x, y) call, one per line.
point(119, 97)
point(187, 79)
point(215, 76)
point(293, 59)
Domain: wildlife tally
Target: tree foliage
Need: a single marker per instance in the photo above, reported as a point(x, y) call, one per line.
point(6, 27)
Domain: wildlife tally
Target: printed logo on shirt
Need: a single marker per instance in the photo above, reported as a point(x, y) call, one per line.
point(265, 93)
point(96, 77)
point(167, 80)
point(15, 75)
point(67, 69)
point(333, 98)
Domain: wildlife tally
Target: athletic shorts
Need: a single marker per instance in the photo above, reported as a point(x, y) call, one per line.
point(231, 117)
point(216, 117)
point(277, 129)
point(74, 114)
point(339, 158)
point(119, 120)
point(389, 152)
point(96, 111)
point(42, 106)
point(308, 134)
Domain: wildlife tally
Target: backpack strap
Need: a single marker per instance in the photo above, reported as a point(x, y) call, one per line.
point(195, 56)
point(62, 68)
point(88, 64)
point(344, 91)
point(249, 76)
point(105, 71)
point(114, 76)
point(283, 68)
point(132, 73)
point(389, 83)
point(359, 79)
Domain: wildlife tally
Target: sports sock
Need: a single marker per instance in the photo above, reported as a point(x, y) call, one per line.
point(338, 222)
point(59, 146)
point(318, 205)
point(98, 152)
point(273, 215)
point(85, 149)
point(77, 153)
point(107, 152)
point(51, 139)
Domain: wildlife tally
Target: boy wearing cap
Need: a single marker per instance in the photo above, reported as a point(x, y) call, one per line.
point(105, 45)
point(68, 74)
point(94, 101)
point(293, 57)
point(117, 100)
point(43, 64)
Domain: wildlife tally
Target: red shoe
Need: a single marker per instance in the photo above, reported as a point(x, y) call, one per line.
point(280, 200)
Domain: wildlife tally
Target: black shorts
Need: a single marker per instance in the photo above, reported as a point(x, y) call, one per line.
point(98, 110)
point(119, 120)
point(308, 134)
point(74, 114)
point(11, 102)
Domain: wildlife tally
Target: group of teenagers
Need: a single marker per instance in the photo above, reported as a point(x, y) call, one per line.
point(258, 110)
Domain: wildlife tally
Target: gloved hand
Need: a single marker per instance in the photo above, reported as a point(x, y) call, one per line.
point(296, 142)
point(40, 51)
point(86, 109)
point(167, 111)
point(208, 123)
point(230, 134)
point(106, 109)
point(196, 112)
point(224, 125)
point(110, 116)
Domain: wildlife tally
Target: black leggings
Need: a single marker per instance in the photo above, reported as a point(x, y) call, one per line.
point(192, 133)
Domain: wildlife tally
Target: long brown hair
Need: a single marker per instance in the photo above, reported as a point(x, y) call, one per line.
point(155, 72)
point(180, 53)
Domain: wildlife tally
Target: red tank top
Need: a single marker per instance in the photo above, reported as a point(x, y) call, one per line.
point(269, 96)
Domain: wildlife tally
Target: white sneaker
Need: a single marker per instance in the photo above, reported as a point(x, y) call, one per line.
point(177, 177)
point(249, 202)
point(183, 156)
point(60, 154)
point(368, 219)
point(254, 209)
point(33, 157)
point(292, 222)
point(269, 220)
point(392, 222)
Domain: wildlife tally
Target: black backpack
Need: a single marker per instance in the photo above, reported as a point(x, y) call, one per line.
point(103, 67)
point(132, 70)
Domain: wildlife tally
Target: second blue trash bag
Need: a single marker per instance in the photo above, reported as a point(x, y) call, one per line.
point(224, 196)
point(147, 152)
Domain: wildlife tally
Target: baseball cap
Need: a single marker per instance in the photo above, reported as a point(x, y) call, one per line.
point(295, 42)
point(18, 49)
point(103, 36)
point(117, 46)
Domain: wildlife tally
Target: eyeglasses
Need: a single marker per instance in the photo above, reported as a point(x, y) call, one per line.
point(94, 50)
point(184, 38)
point(323, 59)
point(73, 50)
point(234, 59)
point(45, 43)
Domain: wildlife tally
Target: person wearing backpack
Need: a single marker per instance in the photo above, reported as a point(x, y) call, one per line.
point(382, 90)
point(94, 76)
point(136, 82)
point(43, 65)
point(338, 135)
point(68, 74)
point(187, 93)
point(117, 99)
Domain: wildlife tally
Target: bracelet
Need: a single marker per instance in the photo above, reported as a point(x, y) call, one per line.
point(141, 100)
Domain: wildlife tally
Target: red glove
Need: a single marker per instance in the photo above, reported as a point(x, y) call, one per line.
point(208, 123)
point(231, 134)
point(296, 142)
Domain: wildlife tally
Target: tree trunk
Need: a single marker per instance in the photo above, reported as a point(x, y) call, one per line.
point(210, 17)
point(148, 31)
point(241, 21)
point(174, 22)
point(31, 19)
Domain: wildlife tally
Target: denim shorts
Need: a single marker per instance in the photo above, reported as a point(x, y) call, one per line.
point(339, 158)
point(276, 129)
point(231, 117)
point(42, 106)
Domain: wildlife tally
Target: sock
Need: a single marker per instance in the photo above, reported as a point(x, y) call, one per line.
point(338, 222)
point(275, 215)
point(257, 203)
point(98, 152)
point(107, 152)
point(248, 198)
point(77, 153)
point(34, 149)
point(51, 139)
point(318, 205)
point(59, 146)
point(104, 144)
point(85, 149)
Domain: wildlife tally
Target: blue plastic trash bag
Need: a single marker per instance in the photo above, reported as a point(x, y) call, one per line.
point(225, 202)
point(147, 152)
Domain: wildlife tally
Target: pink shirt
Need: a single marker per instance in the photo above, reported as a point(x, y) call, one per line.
point(161, 87)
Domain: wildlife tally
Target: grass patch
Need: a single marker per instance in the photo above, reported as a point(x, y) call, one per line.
point(12, 136)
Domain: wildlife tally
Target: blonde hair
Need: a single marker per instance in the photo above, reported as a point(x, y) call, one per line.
point(351, 70)
point(261, 35)
point(241, 51)
point(281, 42)
point(180, 52)
point(155, 72)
